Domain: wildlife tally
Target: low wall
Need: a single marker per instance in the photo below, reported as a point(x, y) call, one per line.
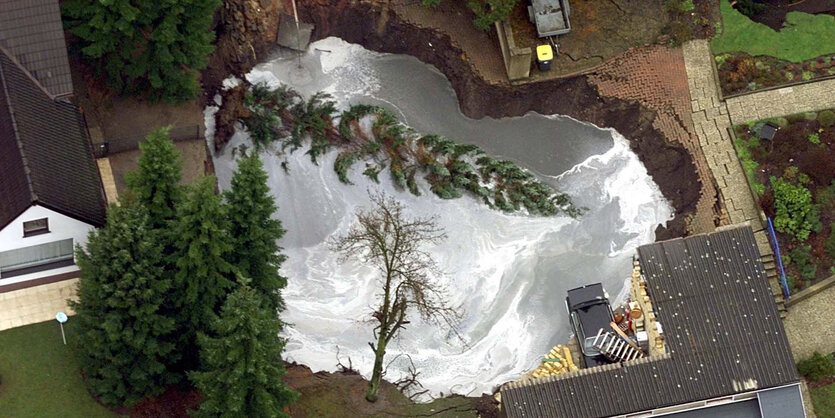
point(517, 61)
point(810, 291)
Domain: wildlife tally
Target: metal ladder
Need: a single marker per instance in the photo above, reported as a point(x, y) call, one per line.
point(614, 347)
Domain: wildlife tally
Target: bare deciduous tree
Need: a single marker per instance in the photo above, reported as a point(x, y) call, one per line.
point(386, 238)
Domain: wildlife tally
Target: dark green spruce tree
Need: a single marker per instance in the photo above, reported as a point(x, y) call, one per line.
point(241, 367)
point(254, 232)
point(156, 181)
point(124, 339)
point(203, 275)
point(156, 47)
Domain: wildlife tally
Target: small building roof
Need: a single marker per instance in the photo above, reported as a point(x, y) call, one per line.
point(768, 131)
point(45, 157)
point(32, 32)
point(722, 329)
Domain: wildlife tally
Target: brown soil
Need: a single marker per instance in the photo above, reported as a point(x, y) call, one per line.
point(245, 29)
point(174, 403)
point(342, 394)
point(774, 15)
point(820, 383)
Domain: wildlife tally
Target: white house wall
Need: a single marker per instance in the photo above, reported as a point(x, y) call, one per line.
point(60, 227)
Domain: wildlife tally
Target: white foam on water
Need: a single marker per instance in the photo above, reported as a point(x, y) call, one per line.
point(509, 273)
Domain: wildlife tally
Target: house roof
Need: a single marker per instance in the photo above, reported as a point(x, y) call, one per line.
point(31, 31)
point(721, 326)
point(45, 157)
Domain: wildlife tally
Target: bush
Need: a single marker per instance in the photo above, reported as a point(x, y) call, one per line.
point(829, 244)
point(816, 367)
point(794, 212)
point(826, 118)
point(802, 258)
point(750, 7)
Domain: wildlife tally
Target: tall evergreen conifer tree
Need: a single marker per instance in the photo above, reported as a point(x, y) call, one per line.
point(242, 367)
point(203, 275)
point(155, 183)
point(123, 338)
point(254, 232)
point(153, 46)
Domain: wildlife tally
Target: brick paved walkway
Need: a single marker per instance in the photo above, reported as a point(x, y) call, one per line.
point(35, 304)
point(786, 101)
point(711, 120)
point(656, 77)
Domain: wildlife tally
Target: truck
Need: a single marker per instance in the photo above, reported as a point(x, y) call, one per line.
point(589, 312)
point(550, 17)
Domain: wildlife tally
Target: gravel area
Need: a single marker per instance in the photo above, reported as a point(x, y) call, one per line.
point(809, 325)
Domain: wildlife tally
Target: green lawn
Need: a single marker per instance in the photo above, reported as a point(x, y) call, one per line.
point(823, 399)
point(804, 37)
point(39, 376)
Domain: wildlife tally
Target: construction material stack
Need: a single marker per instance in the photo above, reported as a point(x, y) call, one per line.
point(557, 361)
point(647, 329)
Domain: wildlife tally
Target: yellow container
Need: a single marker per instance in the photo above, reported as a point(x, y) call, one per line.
point(544, 53)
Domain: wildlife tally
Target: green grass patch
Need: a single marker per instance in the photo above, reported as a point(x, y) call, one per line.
point(40, 376)
point(743, 150)
point(823, 400)
point(803, 37)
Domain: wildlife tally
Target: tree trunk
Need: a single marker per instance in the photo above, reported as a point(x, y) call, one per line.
point(377, 374)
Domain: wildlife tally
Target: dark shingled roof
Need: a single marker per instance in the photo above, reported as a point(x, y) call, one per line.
point(31, 31)
point(723, 333)
point(45, 157)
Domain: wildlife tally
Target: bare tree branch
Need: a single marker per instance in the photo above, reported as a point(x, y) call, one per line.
point(386, 238)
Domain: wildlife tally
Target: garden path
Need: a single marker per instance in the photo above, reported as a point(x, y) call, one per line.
point(807, 97)
point(711, 120)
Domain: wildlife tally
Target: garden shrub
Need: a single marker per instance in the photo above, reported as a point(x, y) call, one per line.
point(750, 7)
point(794, 212)
point(743, 149)
point(829, 244)
point(816, 367)
point(826, 118)
point(815, 139)
point(801, 257)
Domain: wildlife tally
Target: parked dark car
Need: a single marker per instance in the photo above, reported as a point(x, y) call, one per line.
point(589, 311)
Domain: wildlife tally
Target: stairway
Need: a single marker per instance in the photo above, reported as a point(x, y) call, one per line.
point(773, 274)
point(614, 347)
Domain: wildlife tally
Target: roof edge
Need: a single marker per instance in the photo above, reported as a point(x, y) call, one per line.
point(69, 215)
point(26, 172)
point(14, 60)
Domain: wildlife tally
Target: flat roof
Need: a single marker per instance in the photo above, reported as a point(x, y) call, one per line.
point(722, 329)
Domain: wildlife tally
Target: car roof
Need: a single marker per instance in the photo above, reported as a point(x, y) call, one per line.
point(594, 317)
point(584, 294)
